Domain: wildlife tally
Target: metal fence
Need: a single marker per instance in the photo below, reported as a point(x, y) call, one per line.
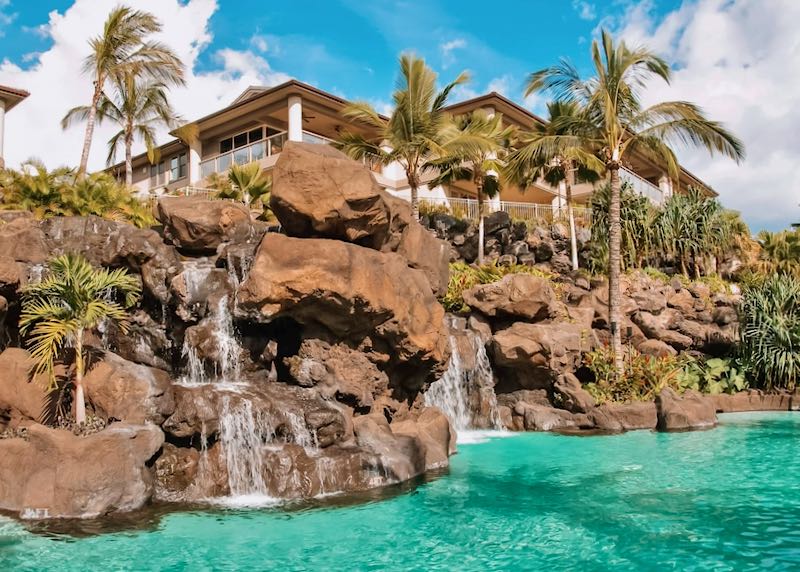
point(528, 212)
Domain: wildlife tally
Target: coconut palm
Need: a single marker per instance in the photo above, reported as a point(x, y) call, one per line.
point(473, 150)
point(56, 313)
point(139, 106)
point(528, 163)
point(614, 125)
point(413, 133)
point(123, 48)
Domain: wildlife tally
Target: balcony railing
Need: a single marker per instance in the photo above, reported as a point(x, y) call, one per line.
point(243, 155)
point(529, 212)
point(642, 186)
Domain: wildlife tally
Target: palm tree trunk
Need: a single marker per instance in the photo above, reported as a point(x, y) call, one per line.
point(90, 120)
point(414, 200)
point(573, 241)
point(80, 403)
point(128, 158)
point(614, 261)
point(481, 237)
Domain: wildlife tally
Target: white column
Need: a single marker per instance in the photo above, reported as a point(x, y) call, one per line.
point(195, 147)
point(295, 118)
point(2, 131)
point(665, 184)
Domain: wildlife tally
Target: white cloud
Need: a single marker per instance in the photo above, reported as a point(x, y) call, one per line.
point(56, 84)
point(447, 49)
point(6, 18)
point(741, 62)
point(259, 42)
point(501, 85)
point(585, 10)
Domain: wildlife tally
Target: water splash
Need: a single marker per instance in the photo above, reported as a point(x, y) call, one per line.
point(244, 433)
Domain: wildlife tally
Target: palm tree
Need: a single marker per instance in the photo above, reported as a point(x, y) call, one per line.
point(72, 298)
point(413, 134)
point(527, 163)
point(614, 124)
point(249, 184)
point(139, 106)
point(123, 49)
point(33, 188)
point(473, 150)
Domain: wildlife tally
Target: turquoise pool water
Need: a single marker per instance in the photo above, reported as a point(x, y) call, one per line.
point(727, 499)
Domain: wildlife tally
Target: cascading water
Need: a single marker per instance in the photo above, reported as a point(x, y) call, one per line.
point(463, 388)
point(244, 433)
point(229, 365)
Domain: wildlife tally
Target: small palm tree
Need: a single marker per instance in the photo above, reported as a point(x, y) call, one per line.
point(413, 134)
point(139, 106)
point(535, 158)
point(473, 150)
point(123, 48)
point(249, 184)
point(614, 125)
point(35, 189)
point(74, 297)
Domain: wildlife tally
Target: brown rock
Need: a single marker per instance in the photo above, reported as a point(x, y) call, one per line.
point(632, 416)
point(352, 293)
point(318, 192)
point(200, 226)
point(18, 393)
point(755, 400)
point(533, 355)
point(656, 348)
point(54, 474)
point(681, 300)
point(122, 390)
point(23, 240)
point(651, 301)
point(433, 430)
point(520, 296)
point(338, 371)
point(10, 275)
point(570, 395)
point(680, 413)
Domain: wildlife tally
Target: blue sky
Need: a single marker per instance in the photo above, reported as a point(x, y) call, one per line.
point(729, 56)
point(350, 47)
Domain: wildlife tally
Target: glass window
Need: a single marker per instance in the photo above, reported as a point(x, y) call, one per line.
point(224, 162)
point(173, 169)
point(162, 167)
point(255, 135)
point(257, 152)
point(181, 165)
point(241, 156)
point(271, 131)
point(240, 140)
point(226, 145)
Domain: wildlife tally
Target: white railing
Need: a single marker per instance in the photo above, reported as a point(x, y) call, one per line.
point(309, 137)
point(243, 155)
point(531, 212)
point(642, 186)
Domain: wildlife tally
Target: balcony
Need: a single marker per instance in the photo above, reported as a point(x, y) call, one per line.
point(642, 186)
point(530, 212)
point(243, 155)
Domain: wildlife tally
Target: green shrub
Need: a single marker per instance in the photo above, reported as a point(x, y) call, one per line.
point(61, 193)
point(770, 331)
point(714, 376)
point(464, 276)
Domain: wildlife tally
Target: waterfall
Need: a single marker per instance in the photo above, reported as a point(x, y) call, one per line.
point(465, 393)
point(228, 366)
point(244, 433)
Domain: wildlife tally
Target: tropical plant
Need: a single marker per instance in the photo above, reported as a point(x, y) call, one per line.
point(123, 49)
point(713, 376)
point(643, 376)
point(532, 160)
point(463, 277)
point(73, 298)
point(59, 193)
point(780, 252)
point(414, 132)
point(139, 106)
point(770, 331)
point(473, 150)
point(614, 125)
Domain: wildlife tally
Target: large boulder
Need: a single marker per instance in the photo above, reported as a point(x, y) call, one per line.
point(532, 356)
point(684, 412)
point(628, 416)
point(23, 240)
point(200, 226)
point(51, 473)
point(516, 296)
point(568, 393)
point(10, 274)
point(351, 294)
point(21, 397)
point(116, 244)
point(755, 400)
point(126, 391)
point(318, 192)
point(338, 371)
